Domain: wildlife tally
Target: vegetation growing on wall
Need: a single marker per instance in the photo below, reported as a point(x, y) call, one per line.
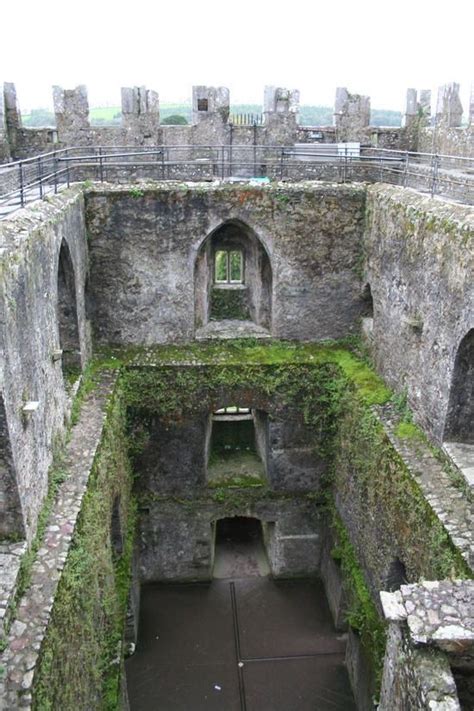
point(229, 303)
point(382, 511)
point(253, 352)
point(362, 614)
point(379, 514)
point(388, 512)
point(376, 506)
point(80, 657)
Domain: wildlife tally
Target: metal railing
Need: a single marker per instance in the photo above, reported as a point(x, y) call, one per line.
point(246, 119)
point(27, 180)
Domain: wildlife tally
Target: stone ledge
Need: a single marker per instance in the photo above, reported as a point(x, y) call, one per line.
point(414, 202)
point(229, 329)
point(416, 677)
point(31, 622)
point(447, 501)
point(462, 456)
point(438, 613)
point(10, 560)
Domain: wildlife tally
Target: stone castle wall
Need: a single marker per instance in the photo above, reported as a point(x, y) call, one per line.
point(31, 372)
point(143, 251)
point(210, 123)
point(136, 248)
point(419, 264)
point(144, 248)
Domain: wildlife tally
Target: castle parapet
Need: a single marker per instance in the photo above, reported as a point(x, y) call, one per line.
point(4, 142)
point(71, 107)
point(278, 100)
point(351, 115)
point(140, 110)
point(210, 102)
point(449, 107)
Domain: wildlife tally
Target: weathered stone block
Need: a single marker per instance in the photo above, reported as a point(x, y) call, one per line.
point(449, 108)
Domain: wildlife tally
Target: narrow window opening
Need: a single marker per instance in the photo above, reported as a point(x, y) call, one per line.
point(233, 410)
point(367, 315)
point(368, 302)
point(229, 266)
point(221, 273)
point(203, 105)
point(236, 267)
point(234, 452)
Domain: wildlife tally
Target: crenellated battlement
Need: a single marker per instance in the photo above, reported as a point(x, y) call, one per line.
point(212, 123)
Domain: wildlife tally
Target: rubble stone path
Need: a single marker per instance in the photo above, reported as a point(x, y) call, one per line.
point(32, 616)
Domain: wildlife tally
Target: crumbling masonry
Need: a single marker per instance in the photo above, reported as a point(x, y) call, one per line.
point(111, 330)
point(211, 125)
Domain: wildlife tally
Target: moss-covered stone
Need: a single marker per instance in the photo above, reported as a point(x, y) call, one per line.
point(229, 304)
point(378, 510)
point(80, 657)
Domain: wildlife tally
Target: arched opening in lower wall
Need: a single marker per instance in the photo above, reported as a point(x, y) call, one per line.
point(233, 279)
point(368, 302)
point(367, 313)
point(68, 326)
point(396, 575)
point(460, 418)
point(239, 548)
point(11, 518)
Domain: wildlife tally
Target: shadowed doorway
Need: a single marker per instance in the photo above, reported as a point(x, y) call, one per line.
point(239, 548)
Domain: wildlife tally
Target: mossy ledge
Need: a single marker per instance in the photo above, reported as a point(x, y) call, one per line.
point(90, 605)
point(372, 500)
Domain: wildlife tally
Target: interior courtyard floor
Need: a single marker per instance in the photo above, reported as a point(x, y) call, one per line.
point(244, 642)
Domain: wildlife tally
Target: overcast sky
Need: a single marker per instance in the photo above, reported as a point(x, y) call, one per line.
point(373, 47)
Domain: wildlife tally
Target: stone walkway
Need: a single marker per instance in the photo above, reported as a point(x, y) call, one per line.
point(13, 204)
point(462, 456)
point(231, 329)
point(10, 559)
point(448, 502)
point(34, 610)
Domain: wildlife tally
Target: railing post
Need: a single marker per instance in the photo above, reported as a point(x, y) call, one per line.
point(101, 166)
point(434, 173)
point(68, 177)
point(22, 182)
point(255, 147)
point(339, 164)
point(405, 175)
point(55, 172)
point(39, 171)
point(281, 163)
point(162, 164)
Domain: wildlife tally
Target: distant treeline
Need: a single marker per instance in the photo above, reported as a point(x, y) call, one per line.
point(323, 115)
point(309, 115)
